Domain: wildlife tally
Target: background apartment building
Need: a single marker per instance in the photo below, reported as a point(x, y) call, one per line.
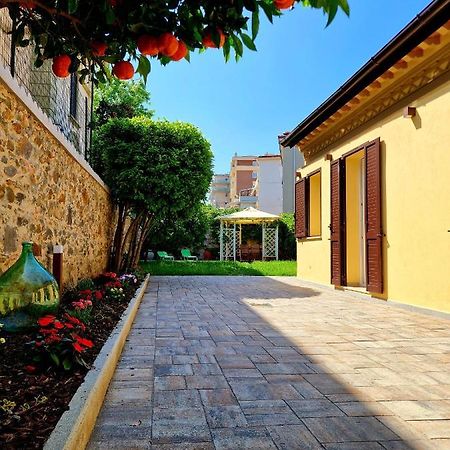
point(291, 161)
point(219, 194)
point(253, 181)
point(243, 175)
point(269, 184)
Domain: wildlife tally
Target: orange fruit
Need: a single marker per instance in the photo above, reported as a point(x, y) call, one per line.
point(98, 48)
point(148, 45)
point(208, 40)
point(123, 70)
point(60, 66)
point(283, 4)
point(181, 52)
point(168, 44)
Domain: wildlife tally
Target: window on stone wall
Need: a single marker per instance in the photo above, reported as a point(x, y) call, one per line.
point(73, 96)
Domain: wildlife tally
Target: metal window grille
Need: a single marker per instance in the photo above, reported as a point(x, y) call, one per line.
point(59, 98)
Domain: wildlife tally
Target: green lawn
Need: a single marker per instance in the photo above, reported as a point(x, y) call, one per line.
point(257, 268)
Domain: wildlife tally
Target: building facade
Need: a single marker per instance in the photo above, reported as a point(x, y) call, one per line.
point(268, 186)
point(243, 175)
point(219, 194)
point(372, 202)
point(291, 160)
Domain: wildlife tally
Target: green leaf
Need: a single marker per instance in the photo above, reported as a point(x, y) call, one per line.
point(345, 6)
point(248, 41)
point(267, 10)
point(255, 24)
point(332, 13)
point(250, 5)
point(67, 364)
point(238, 47)
point(72, 6)
point(55, 359)
point(110, 16)
point(226, 50)
point(144, 67)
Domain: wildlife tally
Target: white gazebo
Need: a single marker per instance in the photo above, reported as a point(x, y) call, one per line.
point(231, 236)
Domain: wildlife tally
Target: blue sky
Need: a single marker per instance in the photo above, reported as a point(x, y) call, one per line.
point(242, 107)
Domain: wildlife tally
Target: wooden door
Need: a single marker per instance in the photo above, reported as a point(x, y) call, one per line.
point(337, 225)
point(374, 233)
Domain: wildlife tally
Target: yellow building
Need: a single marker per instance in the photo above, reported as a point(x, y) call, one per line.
point(373, 199)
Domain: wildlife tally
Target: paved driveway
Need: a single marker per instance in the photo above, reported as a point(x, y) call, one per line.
point(271, 363)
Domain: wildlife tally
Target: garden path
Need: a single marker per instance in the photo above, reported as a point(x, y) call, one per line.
point(267, 363)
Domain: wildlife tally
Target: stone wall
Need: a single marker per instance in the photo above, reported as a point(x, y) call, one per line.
point(48, 194)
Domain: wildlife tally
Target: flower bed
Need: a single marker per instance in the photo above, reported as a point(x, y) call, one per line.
point(41, 370)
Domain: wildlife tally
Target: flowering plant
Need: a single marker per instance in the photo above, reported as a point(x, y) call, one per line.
point(116, 293)
point(62, 341)
point(128, 278)
point(82, 304)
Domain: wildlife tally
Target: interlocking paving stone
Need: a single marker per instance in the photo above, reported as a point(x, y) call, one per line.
point(342, 429)
point(218, 397)
point(314, 408)
point(225, 416)
point(243, 438)
point(275, 363)
point(293, 437)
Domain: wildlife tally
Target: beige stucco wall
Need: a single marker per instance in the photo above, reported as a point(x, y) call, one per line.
point(47, 196)
point(415, 165)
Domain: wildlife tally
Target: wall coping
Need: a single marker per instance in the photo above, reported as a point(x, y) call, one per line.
point(24, 96)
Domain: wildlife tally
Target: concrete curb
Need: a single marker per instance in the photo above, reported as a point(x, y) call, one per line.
point(74, 428)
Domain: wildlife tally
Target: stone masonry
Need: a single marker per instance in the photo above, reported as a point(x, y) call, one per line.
point(46, 196)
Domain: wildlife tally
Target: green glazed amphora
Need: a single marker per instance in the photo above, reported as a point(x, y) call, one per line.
point(27, 291)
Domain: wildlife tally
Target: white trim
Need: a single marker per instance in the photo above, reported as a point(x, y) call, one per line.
point(23, 95)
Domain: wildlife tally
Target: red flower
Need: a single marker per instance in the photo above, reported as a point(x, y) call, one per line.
point(78, 348)
point(68, 325)
point(98, 295)
point(59, 325)
point(52, 339)
point(110, 275)
point(30, 369)
point(72, 319)
point(46, 320)
point(48, 331)
point(86, 292)
point(38, 344)
point(86, 342)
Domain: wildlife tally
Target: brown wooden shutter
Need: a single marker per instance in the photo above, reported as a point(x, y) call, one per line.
point(337, 225)
point(300, 209)
point(374, 233)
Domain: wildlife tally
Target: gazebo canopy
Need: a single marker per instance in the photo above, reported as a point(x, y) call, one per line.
point(248, 216)
point(231, 236)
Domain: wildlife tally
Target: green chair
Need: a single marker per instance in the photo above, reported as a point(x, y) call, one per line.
point(186, 255)
point(164, 256)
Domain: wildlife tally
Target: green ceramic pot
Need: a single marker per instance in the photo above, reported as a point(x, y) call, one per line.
point(27, 291)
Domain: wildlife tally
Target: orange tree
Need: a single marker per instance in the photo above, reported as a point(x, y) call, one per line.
point(90, 36)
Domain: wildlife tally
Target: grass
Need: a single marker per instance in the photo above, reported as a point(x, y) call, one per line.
point(256, 268)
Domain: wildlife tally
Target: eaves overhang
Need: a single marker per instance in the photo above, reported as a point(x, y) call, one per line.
point(434, 16)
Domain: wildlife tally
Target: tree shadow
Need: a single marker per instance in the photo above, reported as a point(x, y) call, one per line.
point(267, 363)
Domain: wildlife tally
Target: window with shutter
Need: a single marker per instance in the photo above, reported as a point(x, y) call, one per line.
point(300, 209)
point(374, 233)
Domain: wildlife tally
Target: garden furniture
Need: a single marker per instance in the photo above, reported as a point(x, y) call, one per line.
point(186, 254)
point(164, 256)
